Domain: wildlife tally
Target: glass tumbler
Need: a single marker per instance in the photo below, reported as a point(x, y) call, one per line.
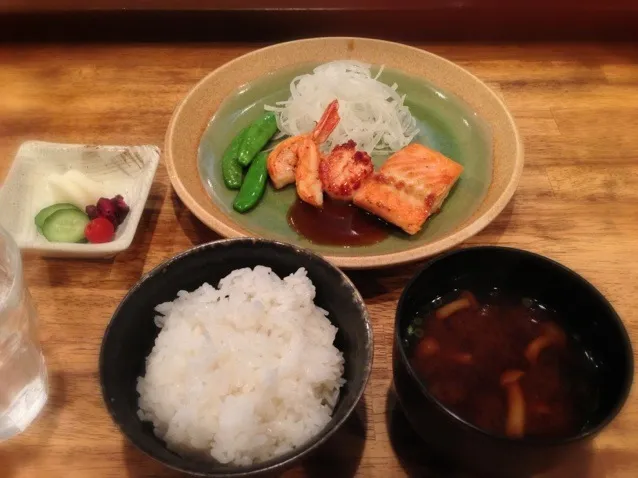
point(23, 375)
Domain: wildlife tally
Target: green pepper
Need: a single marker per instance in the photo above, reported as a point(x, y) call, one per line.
point(254, 184)
point(231, 169)
point(258, 134)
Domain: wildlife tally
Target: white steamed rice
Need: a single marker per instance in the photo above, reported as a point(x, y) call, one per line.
point(244, 372)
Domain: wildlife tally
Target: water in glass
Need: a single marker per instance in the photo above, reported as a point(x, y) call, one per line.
point(23, 377)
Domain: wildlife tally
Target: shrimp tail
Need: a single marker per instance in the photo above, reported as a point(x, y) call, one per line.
point(327, 123)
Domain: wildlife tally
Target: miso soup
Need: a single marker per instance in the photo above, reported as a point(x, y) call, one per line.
point(503, 363)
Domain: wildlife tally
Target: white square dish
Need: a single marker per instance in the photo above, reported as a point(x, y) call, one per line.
point(127, 170)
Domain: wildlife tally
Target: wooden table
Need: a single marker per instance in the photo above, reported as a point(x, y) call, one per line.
point(577, 203)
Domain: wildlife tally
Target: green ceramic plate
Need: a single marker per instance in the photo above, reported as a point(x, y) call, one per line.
point(446, 123)
point(457, 113)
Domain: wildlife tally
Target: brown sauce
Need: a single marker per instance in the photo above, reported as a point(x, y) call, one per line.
point(338, 223)
point(465, 356)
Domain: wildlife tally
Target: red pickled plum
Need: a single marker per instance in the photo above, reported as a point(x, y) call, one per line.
point(121, 208)
point(107, 210)
point(91, 211)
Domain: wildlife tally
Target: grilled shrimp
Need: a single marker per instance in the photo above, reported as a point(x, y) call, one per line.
point(284, 159)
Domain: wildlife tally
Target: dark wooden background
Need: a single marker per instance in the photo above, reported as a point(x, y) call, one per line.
point(269, 20)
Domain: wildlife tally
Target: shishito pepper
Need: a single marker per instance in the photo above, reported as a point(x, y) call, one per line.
point(258, 134)
point(254, 184)
point(231, 169)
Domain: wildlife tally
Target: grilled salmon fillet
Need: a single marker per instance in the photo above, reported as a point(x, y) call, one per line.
point(409, 187)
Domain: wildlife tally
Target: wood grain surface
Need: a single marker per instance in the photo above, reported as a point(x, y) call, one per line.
point(577, 203)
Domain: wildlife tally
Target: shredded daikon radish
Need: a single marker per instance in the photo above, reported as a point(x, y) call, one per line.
point(372, 113)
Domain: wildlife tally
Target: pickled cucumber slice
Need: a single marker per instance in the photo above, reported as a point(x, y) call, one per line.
point(65, 225)
point(47, 211)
